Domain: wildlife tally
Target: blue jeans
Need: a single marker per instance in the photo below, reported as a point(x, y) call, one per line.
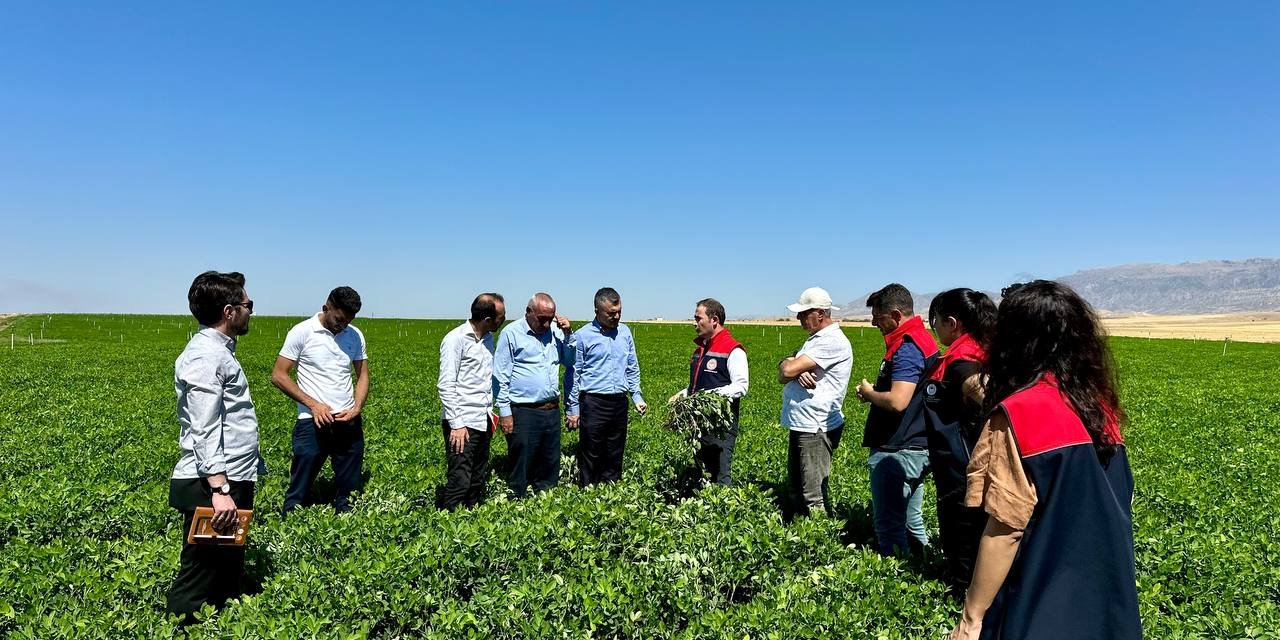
point(897, 497)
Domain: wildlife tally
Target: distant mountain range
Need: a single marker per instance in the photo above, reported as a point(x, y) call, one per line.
point(1216, 286)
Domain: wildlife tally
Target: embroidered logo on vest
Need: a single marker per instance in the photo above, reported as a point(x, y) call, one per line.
point(711, 365)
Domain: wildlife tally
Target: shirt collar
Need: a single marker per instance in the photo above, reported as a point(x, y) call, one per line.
point(469, 331)
point(834, 326)
point(316, 325)
point(219, 337)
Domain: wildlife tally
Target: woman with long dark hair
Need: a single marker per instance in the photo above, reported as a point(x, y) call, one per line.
point(963, 320)
point(1050, 469)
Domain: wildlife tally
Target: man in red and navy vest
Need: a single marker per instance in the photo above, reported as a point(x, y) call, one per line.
point(895, 431)
point(719, 364)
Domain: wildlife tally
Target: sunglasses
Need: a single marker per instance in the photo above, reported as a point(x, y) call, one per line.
point(248, 304)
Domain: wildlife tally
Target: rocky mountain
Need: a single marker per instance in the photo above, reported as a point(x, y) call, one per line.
point(1217, 286)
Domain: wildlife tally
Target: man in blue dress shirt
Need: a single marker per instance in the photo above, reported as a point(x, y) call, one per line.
point(526, 369)
point(605, 371)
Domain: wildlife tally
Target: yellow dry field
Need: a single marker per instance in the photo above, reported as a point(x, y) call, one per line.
point(1239, 327)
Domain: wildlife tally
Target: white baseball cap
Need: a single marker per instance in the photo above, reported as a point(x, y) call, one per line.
point(813, 298)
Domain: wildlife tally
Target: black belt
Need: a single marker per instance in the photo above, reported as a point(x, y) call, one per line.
point(604, 395)
point(553, 403)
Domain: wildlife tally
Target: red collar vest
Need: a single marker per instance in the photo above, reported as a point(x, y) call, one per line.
point(913, 327)
point(963, 348)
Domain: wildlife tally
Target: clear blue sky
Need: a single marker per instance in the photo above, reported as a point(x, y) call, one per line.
point(423, 152)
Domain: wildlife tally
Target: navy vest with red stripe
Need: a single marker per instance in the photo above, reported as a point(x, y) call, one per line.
point(952, 423)
point(709, 366)
point(1073, 576)
point(891, 430)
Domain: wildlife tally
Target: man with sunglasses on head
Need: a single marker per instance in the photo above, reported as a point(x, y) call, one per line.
point(218, 436)
point(526, 368)
point(327, 351)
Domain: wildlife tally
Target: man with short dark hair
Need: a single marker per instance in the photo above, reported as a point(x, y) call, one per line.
point(816, 379)
point(326, 350)
point(218, 436)
point(526, 367)
point(605, 371)
point(466, 399)
point(719, 365)
point(895, 430)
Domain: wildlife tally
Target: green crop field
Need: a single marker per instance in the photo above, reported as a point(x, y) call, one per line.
point(88, 438)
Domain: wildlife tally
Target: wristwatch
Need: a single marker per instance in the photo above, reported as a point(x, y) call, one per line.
point(224, 488)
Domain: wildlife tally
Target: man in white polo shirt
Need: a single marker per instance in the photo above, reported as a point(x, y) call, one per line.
point(327, 351)
point(816, 379)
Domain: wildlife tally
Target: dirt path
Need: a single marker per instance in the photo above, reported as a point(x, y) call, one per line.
point(7, 319)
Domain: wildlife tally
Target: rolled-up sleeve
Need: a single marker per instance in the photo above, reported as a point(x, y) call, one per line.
point(996, 481)
point(201, 401)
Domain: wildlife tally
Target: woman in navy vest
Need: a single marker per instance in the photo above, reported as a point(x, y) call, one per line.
point(1050, 469)
point(963, 320)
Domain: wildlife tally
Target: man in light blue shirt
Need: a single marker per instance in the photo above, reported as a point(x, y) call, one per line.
point(605, 371)
point(526, 371)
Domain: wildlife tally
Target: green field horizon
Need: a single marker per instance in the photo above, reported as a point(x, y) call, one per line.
point(88, 545)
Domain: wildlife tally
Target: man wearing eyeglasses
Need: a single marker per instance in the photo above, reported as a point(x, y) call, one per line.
point(327, 351)
point(526, 367)
point(218, 436)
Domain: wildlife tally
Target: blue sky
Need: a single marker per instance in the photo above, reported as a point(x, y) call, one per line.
point(423, 152)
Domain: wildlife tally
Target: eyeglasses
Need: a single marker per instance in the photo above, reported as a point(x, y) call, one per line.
point(544, 319)
point(248, 304)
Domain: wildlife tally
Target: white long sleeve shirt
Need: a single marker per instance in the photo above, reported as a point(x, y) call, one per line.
point(739, 376)
point(466, 378)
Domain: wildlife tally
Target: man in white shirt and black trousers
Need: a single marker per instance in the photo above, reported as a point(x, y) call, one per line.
point(466, 400)
point(327, 351)
point(218, 436)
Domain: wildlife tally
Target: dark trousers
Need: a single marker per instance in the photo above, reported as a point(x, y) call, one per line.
point(809, 469)
point(960, 528)
point(206, 573)
point(534, 449)
point(340, 442)
point(603, 426)
point(715, 457)
point(466, 472)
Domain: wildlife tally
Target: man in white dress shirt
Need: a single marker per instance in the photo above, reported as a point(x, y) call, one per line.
point(466, 400)
point(327, 351)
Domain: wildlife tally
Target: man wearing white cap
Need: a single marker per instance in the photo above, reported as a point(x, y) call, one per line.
point(816, 379)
